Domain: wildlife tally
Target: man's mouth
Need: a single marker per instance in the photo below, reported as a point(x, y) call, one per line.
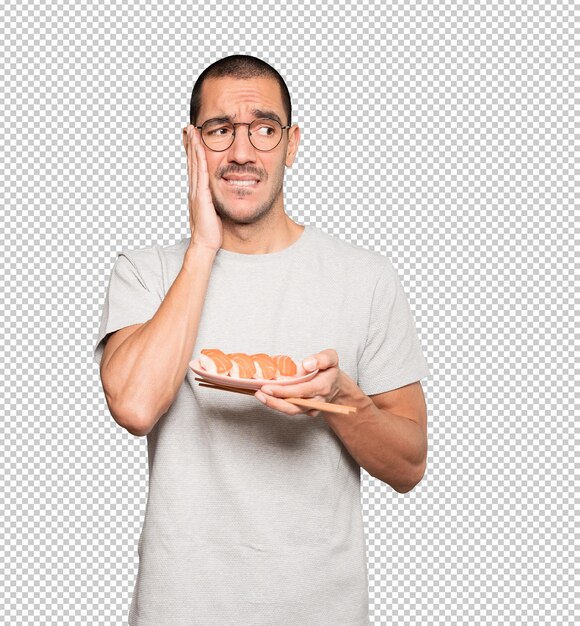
point(241, 181)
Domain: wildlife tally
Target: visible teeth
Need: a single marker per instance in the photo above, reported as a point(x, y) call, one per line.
point(242, 183)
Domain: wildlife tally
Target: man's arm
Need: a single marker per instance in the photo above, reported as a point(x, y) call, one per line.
point(142, 375)
point(387, 435)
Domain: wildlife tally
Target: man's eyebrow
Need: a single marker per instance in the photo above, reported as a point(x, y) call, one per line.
point(256, 112)
point(269, 114)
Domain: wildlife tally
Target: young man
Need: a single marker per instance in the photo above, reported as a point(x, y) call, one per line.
point(253, 516)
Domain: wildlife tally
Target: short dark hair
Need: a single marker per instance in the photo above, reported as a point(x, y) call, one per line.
point(238, 66)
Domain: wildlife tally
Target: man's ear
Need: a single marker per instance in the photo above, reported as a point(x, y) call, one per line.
point(293, 141)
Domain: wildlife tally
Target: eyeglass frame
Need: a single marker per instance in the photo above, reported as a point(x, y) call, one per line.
point(248, 124)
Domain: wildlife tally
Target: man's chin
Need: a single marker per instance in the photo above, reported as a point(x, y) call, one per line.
point(241, 215)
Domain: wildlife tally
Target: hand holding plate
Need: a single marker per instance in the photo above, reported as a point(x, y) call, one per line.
point(324, 386)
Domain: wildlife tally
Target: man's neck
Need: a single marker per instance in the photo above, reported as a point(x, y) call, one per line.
point(261, 238)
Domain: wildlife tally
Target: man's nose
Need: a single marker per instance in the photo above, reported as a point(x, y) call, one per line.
point(242, 149)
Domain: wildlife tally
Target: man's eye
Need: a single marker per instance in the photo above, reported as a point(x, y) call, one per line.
point(266, 130)
point(219, 132)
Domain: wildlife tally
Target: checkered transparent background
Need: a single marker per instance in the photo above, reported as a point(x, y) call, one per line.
point(438, 133)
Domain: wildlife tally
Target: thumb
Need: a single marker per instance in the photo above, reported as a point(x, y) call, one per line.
point(310, 363)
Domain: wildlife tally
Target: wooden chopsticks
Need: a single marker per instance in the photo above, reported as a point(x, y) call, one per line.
point(305, 402)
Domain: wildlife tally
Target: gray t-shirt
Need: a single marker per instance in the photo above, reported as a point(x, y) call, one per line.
point(253, 516)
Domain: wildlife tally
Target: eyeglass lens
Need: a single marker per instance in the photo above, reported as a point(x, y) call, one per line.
point(265, 134)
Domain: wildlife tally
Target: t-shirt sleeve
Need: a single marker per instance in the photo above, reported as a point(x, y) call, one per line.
point(132, 297)
point(392, 355)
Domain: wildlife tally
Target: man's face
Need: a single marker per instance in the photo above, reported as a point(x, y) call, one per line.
point(239, 100)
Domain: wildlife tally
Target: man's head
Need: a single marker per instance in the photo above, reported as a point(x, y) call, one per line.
point(241, 67)
point(240, 89)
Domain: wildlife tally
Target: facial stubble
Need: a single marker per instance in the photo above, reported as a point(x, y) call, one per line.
point(228, 213)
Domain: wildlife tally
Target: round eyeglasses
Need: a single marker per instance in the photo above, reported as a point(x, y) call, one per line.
point(264, 134)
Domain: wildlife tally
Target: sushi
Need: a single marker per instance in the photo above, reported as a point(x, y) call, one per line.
point(265, 366)
point(285, 365)
point(215, 361)
point(260, 366)
point(243, 365)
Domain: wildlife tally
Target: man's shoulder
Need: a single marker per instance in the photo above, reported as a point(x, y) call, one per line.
point(348, 253)
point(156, 264)
point(156, 252)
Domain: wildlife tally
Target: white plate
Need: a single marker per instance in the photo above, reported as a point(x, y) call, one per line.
point(250, 383)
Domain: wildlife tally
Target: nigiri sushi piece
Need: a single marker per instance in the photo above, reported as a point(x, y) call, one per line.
point(265, 366)
point(215, 361)
point(242, 365)
point(285, 365)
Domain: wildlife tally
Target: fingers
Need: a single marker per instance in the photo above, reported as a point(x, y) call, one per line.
point(285, 407)
point(323, 360)
point(192, 161)
point(278, 404)
point(202, 173)
point(301, 390)
point(319, 388)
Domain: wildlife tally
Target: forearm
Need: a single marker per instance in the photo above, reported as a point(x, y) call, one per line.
point(147, 369)
point(389, 447)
